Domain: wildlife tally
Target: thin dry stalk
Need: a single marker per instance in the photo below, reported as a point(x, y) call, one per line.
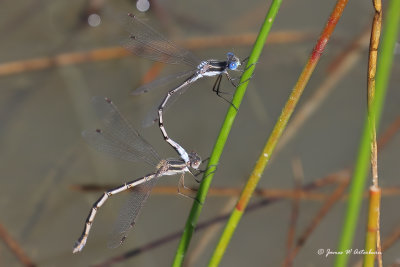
point(298, 175)
point(335, 196)
point(16, 67)
point(373, 238)
point(13, 245)
point(390, 191)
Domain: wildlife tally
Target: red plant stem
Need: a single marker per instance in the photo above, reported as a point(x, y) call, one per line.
point(291, 104)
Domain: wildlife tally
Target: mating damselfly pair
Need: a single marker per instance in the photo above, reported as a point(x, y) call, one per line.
point(119, 139)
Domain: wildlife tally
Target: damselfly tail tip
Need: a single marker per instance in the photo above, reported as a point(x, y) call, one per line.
point(78, 247)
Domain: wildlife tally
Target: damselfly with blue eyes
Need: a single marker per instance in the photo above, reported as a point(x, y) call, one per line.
point(146, 42)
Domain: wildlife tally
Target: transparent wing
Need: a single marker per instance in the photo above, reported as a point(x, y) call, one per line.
point(129, 212)
point(152, 115)
point(118, 138)
point(144, 41)
point(162, 81)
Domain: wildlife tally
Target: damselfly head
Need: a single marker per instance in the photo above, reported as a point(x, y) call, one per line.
point(195, 160)
point(233, 61)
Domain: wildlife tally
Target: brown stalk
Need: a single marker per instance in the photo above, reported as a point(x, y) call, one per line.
point(20, 66)
point(298, 175)
point(334, 197)
point(13, 245)
point(372, 241)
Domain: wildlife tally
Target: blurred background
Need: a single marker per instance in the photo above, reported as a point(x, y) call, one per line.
point(55, 55)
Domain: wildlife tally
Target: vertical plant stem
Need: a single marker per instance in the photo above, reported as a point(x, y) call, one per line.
point(390, 34)
point(276, 133)
point(373, 215)
point(223, 134)
point(373, 224)
point(373, 55)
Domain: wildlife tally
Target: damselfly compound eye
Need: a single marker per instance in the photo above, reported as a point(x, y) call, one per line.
point(233, 65)
point(196, 165)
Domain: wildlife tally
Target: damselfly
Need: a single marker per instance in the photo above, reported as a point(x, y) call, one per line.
point(119, 139)
point(146, 42)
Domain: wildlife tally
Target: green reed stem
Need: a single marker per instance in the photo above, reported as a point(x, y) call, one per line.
point(385, 60)
point(224, 133)
point(276, 133)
